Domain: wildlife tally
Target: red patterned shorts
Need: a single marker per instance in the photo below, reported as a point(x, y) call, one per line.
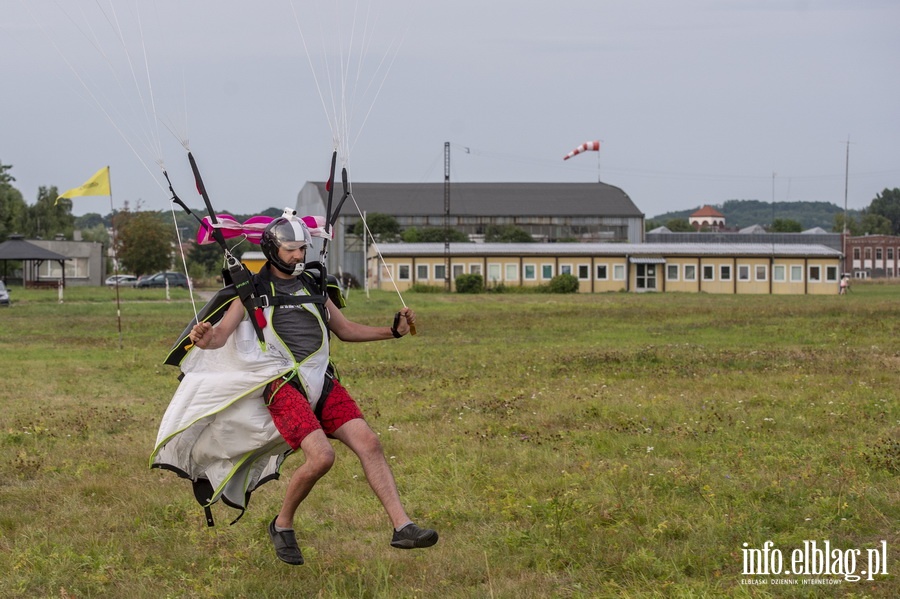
point(294, 417)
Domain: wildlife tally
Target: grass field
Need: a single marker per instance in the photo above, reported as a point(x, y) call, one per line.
point(616, 445)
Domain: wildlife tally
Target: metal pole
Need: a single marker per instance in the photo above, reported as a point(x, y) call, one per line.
point(112, 217)
point(846, 186)
point(447, 286)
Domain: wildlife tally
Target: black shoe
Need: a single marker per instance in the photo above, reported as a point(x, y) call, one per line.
point(285, 545)
point(413, 537)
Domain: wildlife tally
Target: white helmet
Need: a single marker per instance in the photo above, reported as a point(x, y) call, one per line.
point(290, 233)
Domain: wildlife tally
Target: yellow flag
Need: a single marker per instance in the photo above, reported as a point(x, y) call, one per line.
point(98, 185)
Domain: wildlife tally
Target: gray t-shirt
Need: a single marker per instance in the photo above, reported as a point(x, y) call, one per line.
point(295, 324)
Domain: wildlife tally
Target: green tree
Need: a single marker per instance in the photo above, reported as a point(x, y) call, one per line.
point(49, 218)
point(785, 225)
point(98, 233)
point(875, 224)
point(469, 283)
point(209, 257)
point(145, 243)
point(5, 177)
point(13, 209)
point(853, 227)
point(679, 225)
point(887, 204)
point(89, 220)
point(384, 228)
point(506, 234)
point(564, 283)
point(433, 235)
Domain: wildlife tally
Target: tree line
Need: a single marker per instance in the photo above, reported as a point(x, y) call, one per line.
point(881, 217)
point(145, 240)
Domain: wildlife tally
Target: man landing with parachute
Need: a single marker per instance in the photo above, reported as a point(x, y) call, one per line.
point(244, 405)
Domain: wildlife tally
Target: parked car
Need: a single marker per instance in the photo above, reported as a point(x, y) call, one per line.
point(175, 279)
point(4, 295)
point(124, 280)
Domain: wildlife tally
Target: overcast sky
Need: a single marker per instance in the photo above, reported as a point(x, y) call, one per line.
point(695, 101)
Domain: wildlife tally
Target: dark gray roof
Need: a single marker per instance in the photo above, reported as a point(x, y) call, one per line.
point(491, 199)
point(16, 248)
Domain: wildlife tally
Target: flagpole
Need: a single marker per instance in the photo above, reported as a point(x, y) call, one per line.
point(112, 212)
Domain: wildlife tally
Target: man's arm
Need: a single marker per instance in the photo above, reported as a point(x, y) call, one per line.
point(347, 330)
point(206, 336)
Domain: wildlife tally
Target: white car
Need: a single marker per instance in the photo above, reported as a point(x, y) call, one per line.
point(124, 280)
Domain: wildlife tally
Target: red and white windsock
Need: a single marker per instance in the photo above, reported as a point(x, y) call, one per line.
point(588, 146)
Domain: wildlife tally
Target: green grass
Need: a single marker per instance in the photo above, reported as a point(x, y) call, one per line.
point(613, 445)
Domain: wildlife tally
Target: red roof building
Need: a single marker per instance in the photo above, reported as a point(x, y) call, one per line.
point(707, 218)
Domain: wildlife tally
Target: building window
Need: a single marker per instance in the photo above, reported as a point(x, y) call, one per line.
point(602, 272)
point(584, 272)
point(76, 268)
point(709, 273)
point(778, 273)
point(890, 254)
point(440, 272)
point(458, 269)
point(878, 254)
point(856, 253)
point(421, 272)
point(831, 273)
point(403, 272)
point(671, 272)
point(493, 273)
point(547, 272)
point(475, 269)
point(868, 253)
point(725, 272)
point(744, 272)
point(565, 269)
point(530, 272)
point(512, 272)
point(690, 272)
point(646, 276)
point(815, 274)
point(796, 273)
point(762, 273)
point(618, 272)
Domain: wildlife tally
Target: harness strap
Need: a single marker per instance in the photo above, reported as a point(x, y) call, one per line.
point(240, 277)
point(264, 301)
point(203, 492)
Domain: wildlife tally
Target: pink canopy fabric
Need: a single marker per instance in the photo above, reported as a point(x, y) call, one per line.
point(252, 228)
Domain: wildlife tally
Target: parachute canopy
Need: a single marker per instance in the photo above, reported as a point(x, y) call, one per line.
point(252, 228)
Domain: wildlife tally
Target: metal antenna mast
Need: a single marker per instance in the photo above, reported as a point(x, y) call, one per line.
point(447, 216)
point(846, 185)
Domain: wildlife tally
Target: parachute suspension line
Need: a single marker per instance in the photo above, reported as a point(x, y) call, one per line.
point(377, 251)
point(149, 85)
point(184, 262)
point(152, 131)
point(93, 96)
point(378, 91)
point(311, 67)
point(341, 71)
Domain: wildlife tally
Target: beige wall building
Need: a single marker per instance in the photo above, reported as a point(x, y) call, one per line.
point(601, 267)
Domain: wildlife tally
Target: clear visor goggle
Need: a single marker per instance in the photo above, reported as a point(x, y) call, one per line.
point(293, 245)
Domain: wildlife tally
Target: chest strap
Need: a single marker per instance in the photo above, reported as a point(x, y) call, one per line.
point(264, 301)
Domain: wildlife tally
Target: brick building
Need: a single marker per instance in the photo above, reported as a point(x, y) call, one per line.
point(872, 256)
